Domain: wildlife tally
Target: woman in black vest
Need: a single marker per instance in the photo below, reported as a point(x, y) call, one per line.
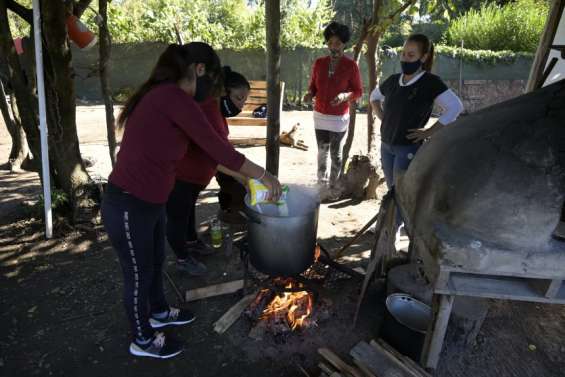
point(409, 98)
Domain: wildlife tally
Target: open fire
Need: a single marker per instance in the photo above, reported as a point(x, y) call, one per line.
point(286, 308)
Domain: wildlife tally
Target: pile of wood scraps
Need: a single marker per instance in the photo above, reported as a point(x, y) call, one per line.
point(374, 359)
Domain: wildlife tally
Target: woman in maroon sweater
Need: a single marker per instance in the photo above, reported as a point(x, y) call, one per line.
point(161, 122)
point(334, 83)
point(196, 169)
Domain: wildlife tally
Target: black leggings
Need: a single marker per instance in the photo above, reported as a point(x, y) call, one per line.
point(181, 216)
point(137, 232)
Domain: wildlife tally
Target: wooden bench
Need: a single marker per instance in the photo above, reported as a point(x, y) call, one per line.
point(257, 97)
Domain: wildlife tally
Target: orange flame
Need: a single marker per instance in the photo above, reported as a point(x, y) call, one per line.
point(317, 252)
point(297, 305)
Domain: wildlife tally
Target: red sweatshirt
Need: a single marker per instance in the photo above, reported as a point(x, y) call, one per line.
point(345, 79)
point(163, 125)
point(196, 166)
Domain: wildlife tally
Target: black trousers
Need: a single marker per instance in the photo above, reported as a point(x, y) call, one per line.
point(181, 216)
point(137, 232)
point(232, 193)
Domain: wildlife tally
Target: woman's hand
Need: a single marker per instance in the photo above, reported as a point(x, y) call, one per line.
point(274, 186)
point(340, 98)
point(417, 135)
point(307, 98)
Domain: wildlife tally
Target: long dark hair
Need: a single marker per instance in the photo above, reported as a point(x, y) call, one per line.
point(426, 47)
point(174, 64)
point(204, 53)
point(234, 80)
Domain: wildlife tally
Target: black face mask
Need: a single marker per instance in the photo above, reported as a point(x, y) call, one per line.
point(228, 108)
point(409, 68)
point(203, 88)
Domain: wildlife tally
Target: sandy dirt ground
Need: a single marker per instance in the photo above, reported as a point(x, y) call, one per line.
point(61, 299)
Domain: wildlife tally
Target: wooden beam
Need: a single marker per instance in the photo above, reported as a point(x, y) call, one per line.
point(542, 53)
point(233, 314)
point(214, 290)
point(273, 25)
point(338, 363)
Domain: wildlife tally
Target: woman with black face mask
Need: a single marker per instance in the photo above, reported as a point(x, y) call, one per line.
point(232, 192)
point(196, 169)
point(409, 98)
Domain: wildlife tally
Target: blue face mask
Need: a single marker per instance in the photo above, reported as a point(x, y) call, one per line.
point(409, 68)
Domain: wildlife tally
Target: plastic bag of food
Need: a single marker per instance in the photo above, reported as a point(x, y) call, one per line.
point(259, 193)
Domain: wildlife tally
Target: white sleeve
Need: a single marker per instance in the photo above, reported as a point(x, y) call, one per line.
point(376, 95)
point(451, 106)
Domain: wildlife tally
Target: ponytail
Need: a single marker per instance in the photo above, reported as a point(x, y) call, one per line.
point(426, 47)
point(173, 65)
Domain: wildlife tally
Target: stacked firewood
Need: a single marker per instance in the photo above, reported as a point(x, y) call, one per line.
point(374, 359)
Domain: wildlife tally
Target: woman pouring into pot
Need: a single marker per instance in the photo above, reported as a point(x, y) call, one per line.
point(161, 121)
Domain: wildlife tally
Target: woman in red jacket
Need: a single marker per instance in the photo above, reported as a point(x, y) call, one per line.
point(334, 83)
point(196, 169)
point(161, 120)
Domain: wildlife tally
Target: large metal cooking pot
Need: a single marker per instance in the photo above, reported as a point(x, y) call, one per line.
point(281, 242)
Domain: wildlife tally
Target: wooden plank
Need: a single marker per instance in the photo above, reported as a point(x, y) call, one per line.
point(325, 368)
point(214, 290)
point(338, 363)
point(233, 314)
point(363, 368)
point(378, 362)
point(240, 121)
point(248, 141)
point(257, 84)
point(542, 53)
point(497, 287)
point(405, 359)
point(258, 93)
point(441, 306)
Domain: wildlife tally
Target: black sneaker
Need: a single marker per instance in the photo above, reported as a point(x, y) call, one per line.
point(176, 317)
point(200, 248)
point(191, 266)
point(159, 347)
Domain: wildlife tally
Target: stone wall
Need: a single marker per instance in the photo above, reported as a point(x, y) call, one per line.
point(478, 94)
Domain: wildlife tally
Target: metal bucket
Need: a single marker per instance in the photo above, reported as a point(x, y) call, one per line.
point(405, 324)
point(283, 245)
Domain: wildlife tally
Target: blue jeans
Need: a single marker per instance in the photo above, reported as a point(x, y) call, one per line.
point(395, 160)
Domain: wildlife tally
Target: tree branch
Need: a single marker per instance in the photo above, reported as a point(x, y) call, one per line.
point(80, 7)
point(25, 13)
point(382, 23)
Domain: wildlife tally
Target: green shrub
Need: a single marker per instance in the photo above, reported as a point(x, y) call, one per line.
point(516, 26)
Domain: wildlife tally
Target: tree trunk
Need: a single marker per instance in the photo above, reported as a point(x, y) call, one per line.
point(371, 57)
point(68, 170)
point(272, 15)
point(353, 109)
point(105, 44)
point(20, 150)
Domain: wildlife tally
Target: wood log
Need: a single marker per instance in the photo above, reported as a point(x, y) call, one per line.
point(232, 315)
point(325, 368)
point(338, 363)
point(214, 290)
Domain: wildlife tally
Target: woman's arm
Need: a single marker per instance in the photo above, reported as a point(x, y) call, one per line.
point(376, 99)
point(451, 106)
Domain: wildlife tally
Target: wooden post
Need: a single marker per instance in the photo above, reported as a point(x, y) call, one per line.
point(273, 25)
point(540, 60)
point(441, 306)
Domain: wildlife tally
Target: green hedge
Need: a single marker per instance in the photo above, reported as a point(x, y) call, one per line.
point(516, 26)
point(479, 56)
